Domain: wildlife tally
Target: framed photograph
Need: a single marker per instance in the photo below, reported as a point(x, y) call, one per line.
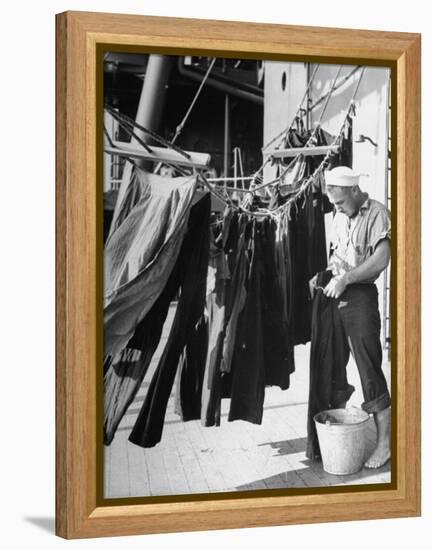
point(238, 274)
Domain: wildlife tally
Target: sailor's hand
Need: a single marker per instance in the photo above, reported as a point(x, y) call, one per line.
point(336, 287)
point(312, 284)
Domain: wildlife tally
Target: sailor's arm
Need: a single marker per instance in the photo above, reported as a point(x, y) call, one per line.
point(369, 269)
point(372, 266)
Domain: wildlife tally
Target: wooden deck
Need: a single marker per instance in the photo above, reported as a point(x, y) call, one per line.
point(236, 456)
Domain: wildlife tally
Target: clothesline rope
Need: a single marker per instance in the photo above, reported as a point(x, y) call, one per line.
point(131, 133)
point(128, 129)
point(188, 112)
point(227, 200)
point(285, 130)
point(337, 86)
point(309, 141)
point(108, 137)
point(324, 162)
point(152, 134)
point(277, 211)
point(180, 126)
point(255, 176)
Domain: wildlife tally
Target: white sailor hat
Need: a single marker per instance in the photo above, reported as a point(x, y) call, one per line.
point(341, 176)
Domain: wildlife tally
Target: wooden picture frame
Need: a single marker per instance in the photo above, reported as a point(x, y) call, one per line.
point(79, 512)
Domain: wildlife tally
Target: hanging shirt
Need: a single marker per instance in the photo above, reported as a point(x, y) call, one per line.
point(355, 239)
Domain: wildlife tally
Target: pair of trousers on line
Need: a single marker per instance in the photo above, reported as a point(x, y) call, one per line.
point(301, 253)
point(224, 305)
point(191, 268)
point(123, 378)
point(148, 228)
point(141, 251)
point(350, 323)
point(248, 344)
point(263, 354)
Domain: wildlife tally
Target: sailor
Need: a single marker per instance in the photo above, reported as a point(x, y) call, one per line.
point(360, 252)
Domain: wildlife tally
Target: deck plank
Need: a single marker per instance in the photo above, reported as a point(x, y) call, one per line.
point(234, 456)
point(119, 481)
point(139, 483)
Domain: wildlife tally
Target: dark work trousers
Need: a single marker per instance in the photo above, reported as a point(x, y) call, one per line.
point(248, 370)
point(344, 156)
point(123, 378)
point(235, 290)
point(308, 256)
point(224, 306)
point(191, 372)
point(211, 389)
point(350, 323)
point(278, 348)
point(217, 312)
point(193, 259)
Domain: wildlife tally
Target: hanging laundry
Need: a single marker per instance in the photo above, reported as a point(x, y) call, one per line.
point(263, 354)
point(126, 371)
point(344, 156)
point(225, 300)
point(305, 240)
point(248, 372)
point(236, 292)
point(306, 234)
point(141, 252)
point(191, 266)
point(283, 268)
point(190, 373)
point(278, 344)
point(211, 390)
point(291, 177)
point(128, 196)
point(242, 289)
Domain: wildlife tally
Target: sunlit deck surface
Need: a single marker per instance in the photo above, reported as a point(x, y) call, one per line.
point(236, 456)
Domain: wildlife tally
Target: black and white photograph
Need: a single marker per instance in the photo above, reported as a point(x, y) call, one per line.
point(247, 284)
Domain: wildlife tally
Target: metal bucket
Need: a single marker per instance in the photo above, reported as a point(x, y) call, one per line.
point(342, 439)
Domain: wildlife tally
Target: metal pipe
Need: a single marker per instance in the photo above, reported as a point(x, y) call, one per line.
point(153, 93)
point(214, 83)
point(223, 79)
point(226, 135)
point(150, 106)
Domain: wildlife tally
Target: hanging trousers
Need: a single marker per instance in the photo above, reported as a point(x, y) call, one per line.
point(190, 375)
point(124, 376)
point(307, 246)
point(193, 264)
point(224, 307)
point(248, 372)
point(278, 348)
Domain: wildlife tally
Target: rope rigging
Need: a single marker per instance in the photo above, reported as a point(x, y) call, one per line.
point(153, 135)
point(128, 124)
point(307, 144)
point(298, 110)
point(324, 162)
point(194, 100)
